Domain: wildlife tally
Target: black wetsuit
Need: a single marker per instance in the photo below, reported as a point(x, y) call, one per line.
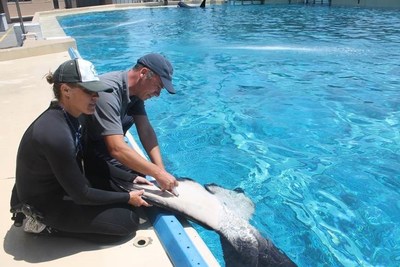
point(49, 177)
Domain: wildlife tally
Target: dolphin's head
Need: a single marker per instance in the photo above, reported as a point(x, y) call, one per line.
point(253, 251)
point(244, 246)
point(270, 255)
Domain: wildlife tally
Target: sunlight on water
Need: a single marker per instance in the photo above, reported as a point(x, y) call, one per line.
point(326, 49)
point(299, 106)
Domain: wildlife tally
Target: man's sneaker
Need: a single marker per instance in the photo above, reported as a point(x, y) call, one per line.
point(33, 226)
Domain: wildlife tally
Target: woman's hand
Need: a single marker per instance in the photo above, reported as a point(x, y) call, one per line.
point(136, 199)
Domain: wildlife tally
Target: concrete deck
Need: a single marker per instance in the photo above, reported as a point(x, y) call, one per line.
point(24, 94)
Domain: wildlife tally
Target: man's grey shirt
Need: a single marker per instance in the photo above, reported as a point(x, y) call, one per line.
point(112, 108)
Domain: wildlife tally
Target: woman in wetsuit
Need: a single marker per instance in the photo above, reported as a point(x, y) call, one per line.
point(49, 173)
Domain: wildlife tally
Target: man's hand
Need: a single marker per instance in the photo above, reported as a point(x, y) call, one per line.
point(167, 182)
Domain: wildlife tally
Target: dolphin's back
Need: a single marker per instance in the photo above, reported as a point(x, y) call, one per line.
point(184, 5)
point(225, 211)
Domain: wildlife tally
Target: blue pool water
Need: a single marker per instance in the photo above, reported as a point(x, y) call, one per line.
point(299, 106)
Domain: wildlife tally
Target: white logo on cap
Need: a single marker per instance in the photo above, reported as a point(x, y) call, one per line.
point(87, 71)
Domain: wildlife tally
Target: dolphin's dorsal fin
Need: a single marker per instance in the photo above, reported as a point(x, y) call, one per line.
point(235, 200)
point(203, 4)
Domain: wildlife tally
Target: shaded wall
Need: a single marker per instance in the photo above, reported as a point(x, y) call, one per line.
point(85, 3)
point(360, 3)
point(368, 3)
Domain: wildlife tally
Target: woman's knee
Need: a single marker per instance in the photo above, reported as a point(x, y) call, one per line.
point(128, 224)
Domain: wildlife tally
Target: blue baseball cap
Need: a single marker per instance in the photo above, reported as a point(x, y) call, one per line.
point(160, 66)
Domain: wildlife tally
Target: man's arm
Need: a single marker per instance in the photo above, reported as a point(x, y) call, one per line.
point(148, 139)
point(121, 151)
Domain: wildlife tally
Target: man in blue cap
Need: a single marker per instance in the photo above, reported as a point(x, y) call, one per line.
point(107, 154)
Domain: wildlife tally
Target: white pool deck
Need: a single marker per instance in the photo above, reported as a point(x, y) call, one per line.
point(24, 94)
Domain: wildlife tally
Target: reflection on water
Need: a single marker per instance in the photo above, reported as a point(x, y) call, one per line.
point(299, 106)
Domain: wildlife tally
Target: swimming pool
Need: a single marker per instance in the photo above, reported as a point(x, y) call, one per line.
point(297, 105)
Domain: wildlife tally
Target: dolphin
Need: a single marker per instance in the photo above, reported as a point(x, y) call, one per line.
point(184, 5)
point(225, 211)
